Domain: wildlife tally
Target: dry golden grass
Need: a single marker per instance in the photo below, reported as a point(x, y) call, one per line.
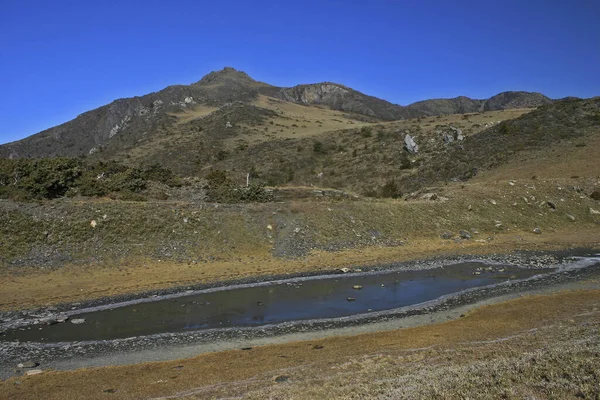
point(572, 159)
point(348, 366)
point(188, 115)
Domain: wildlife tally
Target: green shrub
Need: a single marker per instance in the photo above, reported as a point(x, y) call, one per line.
point(390, 189)
point(220, 189)
point(318, 147)
point(366, 131)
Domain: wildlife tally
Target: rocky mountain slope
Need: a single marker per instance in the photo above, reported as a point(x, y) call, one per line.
point(124, 123)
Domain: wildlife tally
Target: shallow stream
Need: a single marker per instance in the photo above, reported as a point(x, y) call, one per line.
point(254, 305)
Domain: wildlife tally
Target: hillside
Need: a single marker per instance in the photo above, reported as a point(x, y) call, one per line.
point(126, 124)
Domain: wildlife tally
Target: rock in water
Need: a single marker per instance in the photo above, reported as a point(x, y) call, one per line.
point(78, 321)
point(410, 145)
point(28, 364)
point(357, 287)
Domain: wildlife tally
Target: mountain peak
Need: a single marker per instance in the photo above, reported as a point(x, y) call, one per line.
point(227, 74)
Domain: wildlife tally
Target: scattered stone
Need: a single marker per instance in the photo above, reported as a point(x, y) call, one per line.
point(595, 195)
point(78, 321)
point(357, 270)
point(551, 205)
point(28, 364)
point(493, 202)
point(246, 348)
point(357, 287)
point(93, 223)
point(434, 196)
point(270, 227)
point(318, 347)
point(446, 235)
point(570, 217)
point(464, 235)
point(477, 273)
point(594, 212)
point(259, 303)
point(34, 372)
point(537, 230)
point(345, 270)
point(228, 125)
point(109, 391)
point(281, 378)
point(470, 208)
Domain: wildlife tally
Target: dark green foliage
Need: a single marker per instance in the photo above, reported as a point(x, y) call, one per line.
point(221, 189)
point(504, 128)
point(366, 131)
point(404, 161)
point(318, 147)
point(49, 178)
point(222, 154)
point(38, 179)
point(390, 189)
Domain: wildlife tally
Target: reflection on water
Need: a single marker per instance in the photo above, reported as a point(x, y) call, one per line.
point(311, 299)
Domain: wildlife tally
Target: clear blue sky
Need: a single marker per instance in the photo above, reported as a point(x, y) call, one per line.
point(60, 58)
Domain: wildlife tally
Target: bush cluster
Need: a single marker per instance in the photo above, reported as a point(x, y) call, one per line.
point(221, 189)
point(49, 178)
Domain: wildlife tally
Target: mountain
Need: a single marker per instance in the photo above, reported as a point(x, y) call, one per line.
point(126, 123)
point(340, 97)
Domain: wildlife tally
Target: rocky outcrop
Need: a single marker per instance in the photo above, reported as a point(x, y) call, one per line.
point(340, 97)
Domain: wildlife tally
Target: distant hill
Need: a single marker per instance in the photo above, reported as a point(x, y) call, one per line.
point(126, 123)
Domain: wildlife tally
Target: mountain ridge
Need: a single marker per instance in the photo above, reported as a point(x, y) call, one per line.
point(140, 116)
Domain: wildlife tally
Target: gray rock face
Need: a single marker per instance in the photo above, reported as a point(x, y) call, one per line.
point(410, 145)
